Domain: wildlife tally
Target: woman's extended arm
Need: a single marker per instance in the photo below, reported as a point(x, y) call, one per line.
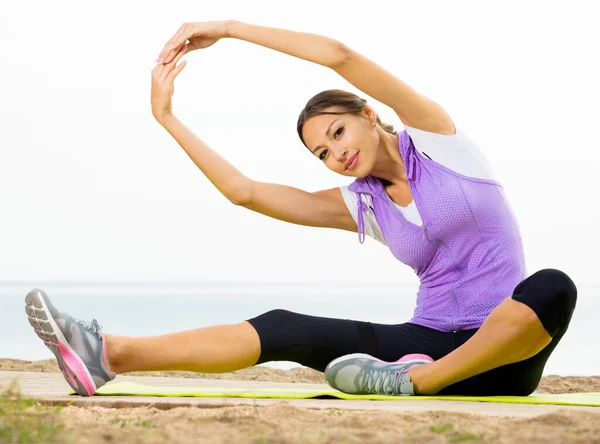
point(323, 208)
point(413, 108)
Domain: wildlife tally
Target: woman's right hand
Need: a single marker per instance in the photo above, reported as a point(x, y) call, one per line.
point(163, 78)
point(200, 35)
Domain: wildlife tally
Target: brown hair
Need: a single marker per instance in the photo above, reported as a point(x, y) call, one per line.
point(349, 103)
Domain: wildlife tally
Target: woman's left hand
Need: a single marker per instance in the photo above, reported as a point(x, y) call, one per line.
point(200, 35)
point(163, 78)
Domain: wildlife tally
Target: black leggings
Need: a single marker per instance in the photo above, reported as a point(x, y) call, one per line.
point(315, 341)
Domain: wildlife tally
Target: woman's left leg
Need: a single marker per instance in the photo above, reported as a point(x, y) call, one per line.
point(516, 339)
point(516, 379)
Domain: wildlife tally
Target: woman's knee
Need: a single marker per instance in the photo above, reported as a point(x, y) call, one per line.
point(277, 316)
point(557, 287)
point(273, 324)
point(552, 295)
point(312, 341)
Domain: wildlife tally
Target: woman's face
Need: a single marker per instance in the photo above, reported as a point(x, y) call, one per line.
point(345, 143)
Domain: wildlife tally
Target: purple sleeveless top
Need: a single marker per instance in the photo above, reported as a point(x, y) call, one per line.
point(468, 254)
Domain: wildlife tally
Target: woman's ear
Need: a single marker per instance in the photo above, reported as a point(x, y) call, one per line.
point(370, 113)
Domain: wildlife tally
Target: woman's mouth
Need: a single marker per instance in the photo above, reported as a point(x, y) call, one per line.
point(352, 162)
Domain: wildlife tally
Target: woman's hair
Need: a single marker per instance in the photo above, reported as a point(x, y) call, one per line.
point(349, 103)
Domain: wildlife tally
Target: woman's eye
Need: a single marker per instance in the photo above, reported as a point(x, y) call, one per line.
point(322, 154)
point(339, 131)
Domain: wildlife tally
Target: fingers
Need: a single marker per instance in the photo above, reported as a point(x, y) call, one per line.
point(175, 43)
point(176, 71)
point(157, 70)
point(164, 74)
point(167, 68)
point(180, 37)
point(167, 46)
point(170, 65)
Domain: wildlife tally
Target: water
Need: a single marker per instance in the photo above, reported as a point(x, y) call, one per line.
point(140, 309)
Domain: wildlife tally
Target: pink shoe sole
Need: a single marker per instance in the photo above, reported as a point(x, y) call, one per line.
point(414, 357)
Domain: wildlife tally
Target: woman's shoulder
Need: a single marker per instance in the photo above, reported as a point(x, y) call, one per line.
point(457, 152)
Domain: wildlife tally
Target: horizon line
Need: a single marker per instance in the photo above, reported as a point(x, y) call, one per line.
point(195, 282)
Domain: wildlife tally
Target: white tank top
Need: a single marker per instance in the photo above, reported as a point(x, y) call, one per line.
point(456, 152)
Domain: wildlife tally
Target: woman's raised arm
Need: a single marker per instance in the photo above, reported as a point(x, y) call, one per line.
point(322, 209)
point(413, 108)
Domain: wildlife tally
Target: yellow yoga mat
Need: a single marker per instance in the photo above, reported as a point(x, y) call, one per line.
point(134, 389)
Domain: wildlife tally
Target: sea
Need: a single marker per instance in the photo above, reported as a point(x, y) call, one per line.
point(152, 308)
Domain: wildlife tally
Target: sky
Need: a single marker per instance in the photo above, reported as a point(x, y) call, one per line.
point(94, 189)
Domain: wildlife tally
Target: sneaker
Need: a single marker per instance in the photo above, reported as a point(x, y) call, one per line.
point(78, 345)
point(362, 374)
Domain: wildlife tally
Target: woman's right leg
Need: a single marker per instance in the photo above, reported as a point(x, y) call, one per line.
point(277, 335)
point(216, 349)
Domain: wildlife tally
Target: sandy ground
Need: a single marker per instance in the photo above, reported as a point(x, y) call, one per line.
point(549, 384)
point(283, 423)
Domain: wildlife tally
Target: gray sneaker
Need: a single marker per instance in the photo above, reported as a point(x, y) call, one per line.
point(78, 345)
point(362, 374)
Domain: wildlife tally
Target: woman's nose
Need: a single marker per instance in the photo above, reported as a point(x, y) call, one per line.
point(340, 153)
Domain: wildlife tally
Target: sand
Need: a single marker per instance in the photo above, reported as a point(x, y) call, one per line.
point(286, 423)
point(549, 384)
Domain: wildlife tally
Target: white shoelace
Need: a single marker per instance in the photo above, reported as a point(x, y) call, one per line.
point(382, 382)
point(92, 326)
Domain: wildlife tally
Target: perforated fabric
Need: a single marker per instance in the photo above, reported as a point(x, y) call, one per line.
point(457, 152)
point(468, 253)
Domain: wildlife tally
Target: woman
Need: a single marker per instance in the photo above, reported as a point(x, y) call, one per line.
point(426, 192)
